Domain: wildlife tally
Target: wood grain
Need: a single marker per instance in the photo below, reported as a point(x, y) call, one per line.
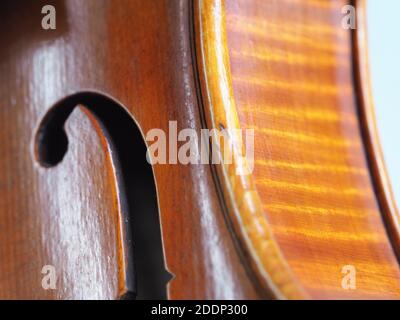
point(139, 53)
point(83, 231)
point(241, 197)
point(290, 77)
point(285, 68)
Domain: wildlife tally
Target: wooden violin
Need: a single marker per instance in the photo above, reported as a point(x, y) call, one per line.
point(85, 214)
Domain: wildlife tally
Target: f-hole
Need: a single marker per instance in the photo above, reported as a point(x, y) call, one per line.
point(146, 275)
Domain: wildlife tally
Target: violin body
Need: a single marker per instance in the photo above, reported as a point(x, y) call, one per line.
point(78, 197)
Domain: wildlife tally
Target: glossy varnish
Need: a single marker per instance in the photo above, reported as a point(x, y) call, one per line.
point(285, 68)
point(139, 53)
point(293, 82)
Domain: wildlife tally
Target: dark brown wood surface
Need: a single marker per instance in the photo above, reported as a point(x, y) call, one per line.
point(139, 53)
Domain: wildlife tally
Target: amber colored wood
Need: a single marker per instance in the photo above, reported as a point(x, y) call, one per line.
point(285, 69)
point(139, 53)
point(243, 201)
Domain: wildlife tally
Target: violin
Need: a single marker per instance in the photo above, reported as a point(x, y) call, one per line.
point(191, 149)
